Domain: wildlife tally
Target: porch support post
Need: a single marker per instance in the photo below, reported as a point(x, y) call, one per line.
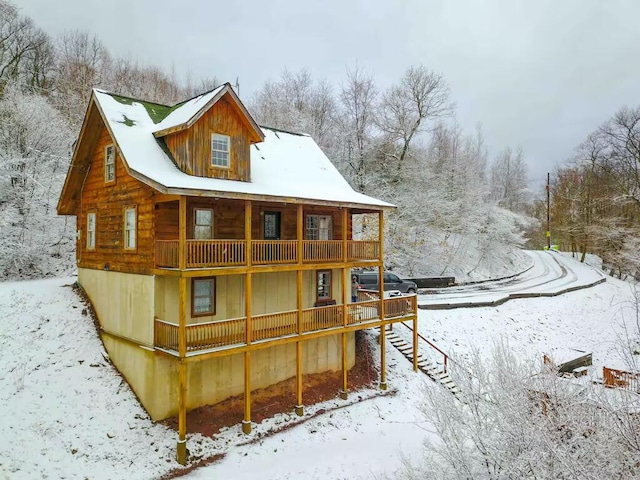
point(344, 234)
point(246, 423)
point(299, 236)
point(346, 298)
point(344, 393)
point(247, 232)
point(182, 235)
point(299, 229)
point(383, 327)
point(415, 343)
point(299, 407)
point(181, 451)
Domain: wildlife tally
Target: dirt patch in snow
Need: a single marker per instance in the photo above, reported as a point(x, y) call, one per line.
point(280, 397)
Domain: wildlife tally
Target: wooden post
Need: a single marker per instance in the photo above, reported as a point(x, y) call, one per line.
point(299, 236)
point(299, 407)
point(300, 233)
point(383, 327)
point(346, 298)
point(246, 423)
point(344, 235)
point(247, 232)
point(182, 233)
point(415, 343)
point(181, 453)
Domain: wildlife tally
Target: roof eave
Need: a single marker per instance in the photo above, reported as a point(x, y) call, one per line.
point(190, 192)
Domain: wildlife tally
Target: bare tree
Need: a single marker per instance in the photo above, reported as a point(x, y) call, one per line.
point(357, 119)
point(406, 108)
point(509, 180)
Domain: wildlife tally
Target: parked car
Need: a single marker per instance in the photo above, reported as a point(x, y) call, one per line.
point(368, 280)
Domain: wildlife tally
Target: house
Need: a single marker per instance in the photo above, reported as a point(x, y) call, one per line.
point(216, 252)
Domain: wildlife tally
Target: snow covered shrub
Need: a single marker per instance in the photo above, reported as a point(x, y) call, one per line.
point(513, 422)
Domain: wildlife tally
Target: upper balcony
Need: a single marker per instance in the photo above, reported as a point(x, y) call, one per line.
point(233, 253)
point(237, 233)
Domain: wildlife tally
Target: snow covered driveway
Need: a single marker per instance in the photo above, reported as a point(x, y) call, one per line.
point(551, 274)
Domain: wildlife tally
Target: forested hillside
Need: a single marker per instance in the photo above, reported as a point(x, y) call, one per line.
point(461, 211)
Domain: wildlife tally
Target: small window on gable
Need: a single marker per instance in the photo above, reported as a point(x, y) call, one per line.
point(324, 285)
point(91, 231)
point(130, 224)
point(203, 223)
point(203, 297)
point(109, 163)
point(220, 150)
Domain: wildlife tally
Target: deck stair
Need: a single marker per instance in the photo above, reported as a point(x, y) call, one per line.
point(433, 370)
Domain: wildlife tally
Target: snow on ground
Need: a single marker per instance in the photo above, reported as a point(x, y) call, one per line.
point(67, 414)
point(564, 327)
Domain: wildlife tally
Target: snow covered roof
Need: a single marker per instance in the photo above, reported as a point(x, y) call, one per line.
point(284, 166)
point(187, 110)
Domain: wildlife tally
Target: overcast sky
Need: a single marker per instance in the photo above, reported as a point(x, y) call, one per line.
point(540, 74)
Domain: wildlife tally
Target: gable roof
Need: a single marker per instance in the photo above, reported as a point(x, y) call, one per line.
point(185, 114)
point(285, 167)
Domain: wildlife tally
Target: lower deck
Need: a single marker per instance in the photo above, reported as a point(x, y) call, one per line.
point(232, 334)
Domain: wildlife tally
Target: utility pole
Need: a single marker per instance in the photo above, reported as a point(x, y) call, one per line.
point(548, 216)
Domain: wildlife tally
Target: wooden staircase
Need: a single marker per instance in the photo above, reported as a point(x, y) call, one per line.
point(433, 370)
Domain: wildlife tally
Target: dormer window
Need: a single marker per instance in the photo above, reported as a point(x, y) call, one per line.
point(220, 150)
point(109, 163)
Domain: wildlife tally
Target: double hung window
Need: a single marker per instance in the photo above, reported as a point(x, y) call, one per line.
point(220, 150)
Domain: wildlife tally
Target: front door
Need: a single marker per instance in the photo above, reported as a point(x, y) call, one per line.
point(271, 226)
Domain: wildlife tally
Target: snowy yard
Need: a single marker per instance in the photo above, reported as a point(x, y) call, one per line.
point(68, 414)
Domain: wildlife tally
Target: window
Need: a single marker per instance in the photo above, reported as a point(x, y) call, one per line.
point(318, 227)
point(109, 163)
point(91, 231)
point(130, 228)
point(203, 297)
point(202, 223)
point(324, 285)
point(220, 150)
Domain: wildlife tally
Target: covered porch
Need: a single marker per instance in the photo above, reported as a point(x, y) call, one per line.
point(196, 233)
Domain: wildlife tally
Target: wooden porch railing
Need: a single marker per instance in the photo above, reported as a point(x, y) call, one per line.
point(363, 311)
point(274, 325)
point(322, 251)
point(167, 253)
point(621, 379)
point(399, 306)
point(363, 250)
point(264, 252)
point(165, 335)
point(225, 253)
point(201, 336)
point(224, 333)
point(321, 318)
point(207, 253)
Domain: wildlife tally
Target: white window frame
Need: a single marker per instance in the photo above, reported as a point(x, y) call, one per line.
point(109, 164)
point(130, 229)
point(91, 231)
point(315, 230)
point(196, 225)
point(223, 155)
